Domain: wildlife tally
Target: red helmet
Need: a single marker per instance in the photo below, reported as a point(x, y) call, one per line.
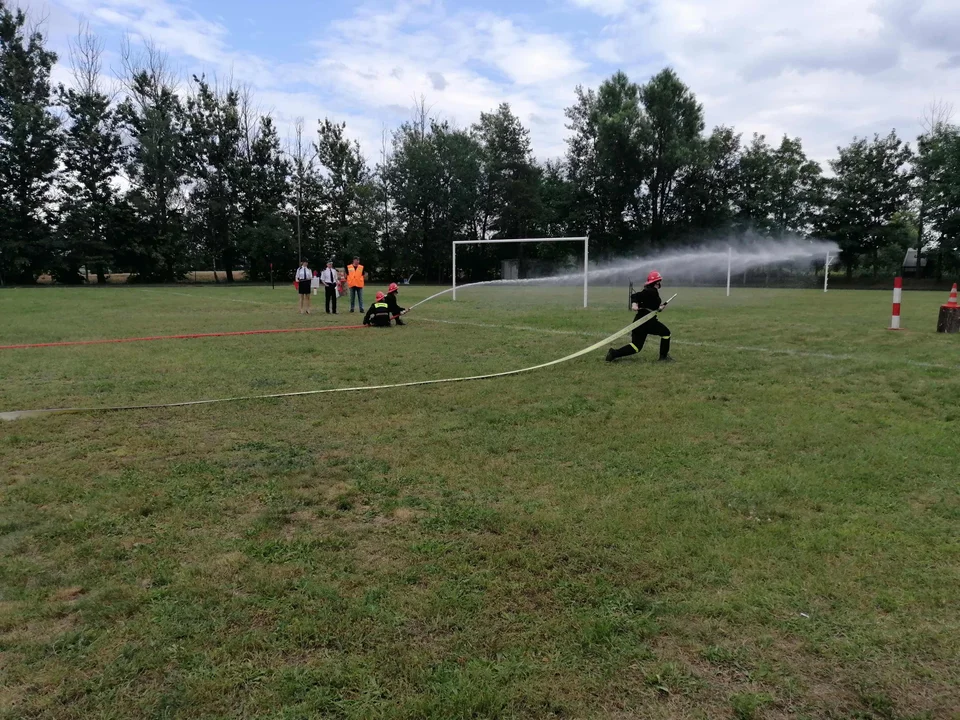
point(653, 277)
point(393, 287)
point(380, 296)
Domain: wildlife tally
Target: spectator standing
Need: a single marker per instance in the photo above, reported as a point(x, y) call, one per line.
point(329, 279)
point(355, 278)
point(304, 276)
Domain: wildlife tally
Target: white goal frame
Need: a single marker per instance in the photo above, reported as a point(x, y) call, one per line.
point(586, 254)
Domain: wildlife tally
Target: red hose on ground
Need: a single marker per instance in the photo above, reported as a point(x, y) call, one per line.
point(179, 337)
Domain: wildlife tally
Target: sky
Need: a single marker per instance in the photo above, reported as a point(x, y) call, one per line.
point(821, 70)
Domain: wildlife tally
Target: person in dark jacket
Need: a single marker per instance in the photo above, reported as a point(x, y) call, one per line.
point(395, 310)
point(378, 314)
point(328, 279)
point(645, 302)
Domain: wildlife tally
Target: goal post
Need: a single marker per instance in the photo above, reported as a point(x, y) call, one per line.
point(586, 255)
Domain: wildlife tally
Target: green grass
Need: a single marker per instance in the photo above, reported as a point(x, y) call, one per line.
point(767, 528)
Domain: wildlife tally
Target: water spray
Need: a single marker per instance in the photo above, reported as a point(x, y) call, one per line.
point(705, 261)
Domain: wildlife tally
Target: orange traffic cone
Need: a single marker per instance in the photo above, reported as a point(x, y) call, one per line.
point(952, 302)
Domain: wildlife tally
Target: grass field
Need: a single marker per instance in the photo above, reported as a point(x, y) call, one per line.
point(768, 528)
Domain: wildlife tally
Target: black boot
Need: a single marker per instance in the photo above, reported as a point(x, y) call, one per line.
point(611, 355)
point(665, 348)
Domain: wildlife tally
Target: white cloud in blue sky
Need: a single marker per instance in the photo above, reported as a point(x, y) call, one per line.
point(824, 70)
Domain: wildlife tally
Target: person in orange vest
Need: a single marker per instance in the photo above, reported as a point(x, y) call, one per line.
point(355, 278)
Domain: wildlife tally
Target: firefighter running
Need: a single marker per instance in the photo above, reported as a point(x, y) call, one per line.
point(378, 314)
point(395, 310)
point(645, 302)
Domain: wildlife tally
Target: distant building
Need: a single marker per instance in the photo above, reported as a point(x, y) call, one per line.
point(910, 262)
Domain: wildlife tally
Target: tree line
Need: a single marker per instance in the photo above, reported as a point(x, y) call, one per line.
point(163, 177)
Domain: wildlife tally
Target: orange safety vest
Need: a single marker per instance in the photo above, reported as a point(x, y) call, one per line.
point(355, 276)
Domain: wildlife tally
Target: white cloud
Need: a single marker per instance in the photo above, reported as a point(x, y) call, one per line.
point(182, 33)
point(823, 70)
point(172, 27)
point(527, 58)
point(382, 60)
point(603, 7)
point(368, 66)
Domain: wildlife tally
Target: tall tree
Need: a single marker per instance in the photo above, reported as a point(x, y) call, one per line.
point(756, 194)
point(435, 173)
point(305, 192)
point(606, 164)
point(510, 205)
point(557, 201)
point(29, 143)
point(217, 166)
point(459, 163)
point(781, 190)
point(348, 195)
point(670, 132)
point(265, 237)
point(92, 160)
point(511, 178)
point(411, 174)
point(154, 118)
point(796, 188)
point(937, 170)
point(384, 212)
point(707, 189)
point(871, 185)
point(948, 220)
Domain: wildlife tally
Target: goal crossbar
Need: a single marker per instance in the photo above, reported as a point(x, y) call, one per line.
point(586, 254)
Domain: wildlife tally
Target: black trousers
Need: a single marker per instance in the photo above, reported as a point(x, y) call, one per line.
point(330, 292)
point(639, 337)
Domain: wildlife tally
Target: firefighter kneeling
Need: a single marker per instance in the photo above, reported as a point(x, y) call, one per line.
point(378, 314)
point(395, 310)
point(645, 302)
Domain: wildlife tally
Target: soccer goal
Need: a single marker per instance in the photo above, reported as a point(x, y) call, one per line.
point(586, 254)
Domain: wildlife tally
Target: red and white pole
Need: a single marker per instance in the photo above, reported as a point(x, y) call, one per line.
point(897, 290)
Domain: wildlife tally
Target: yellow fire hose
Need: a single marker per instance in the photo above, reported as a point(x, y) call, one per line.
point(20, 414)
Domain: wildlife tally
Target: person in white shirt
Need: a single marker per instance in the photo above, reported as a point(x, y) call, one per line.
point(304, 275)
point(329, 279)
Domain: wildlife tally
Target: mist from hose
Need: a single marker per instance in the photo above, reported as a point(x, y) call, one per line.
point(701, 263)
